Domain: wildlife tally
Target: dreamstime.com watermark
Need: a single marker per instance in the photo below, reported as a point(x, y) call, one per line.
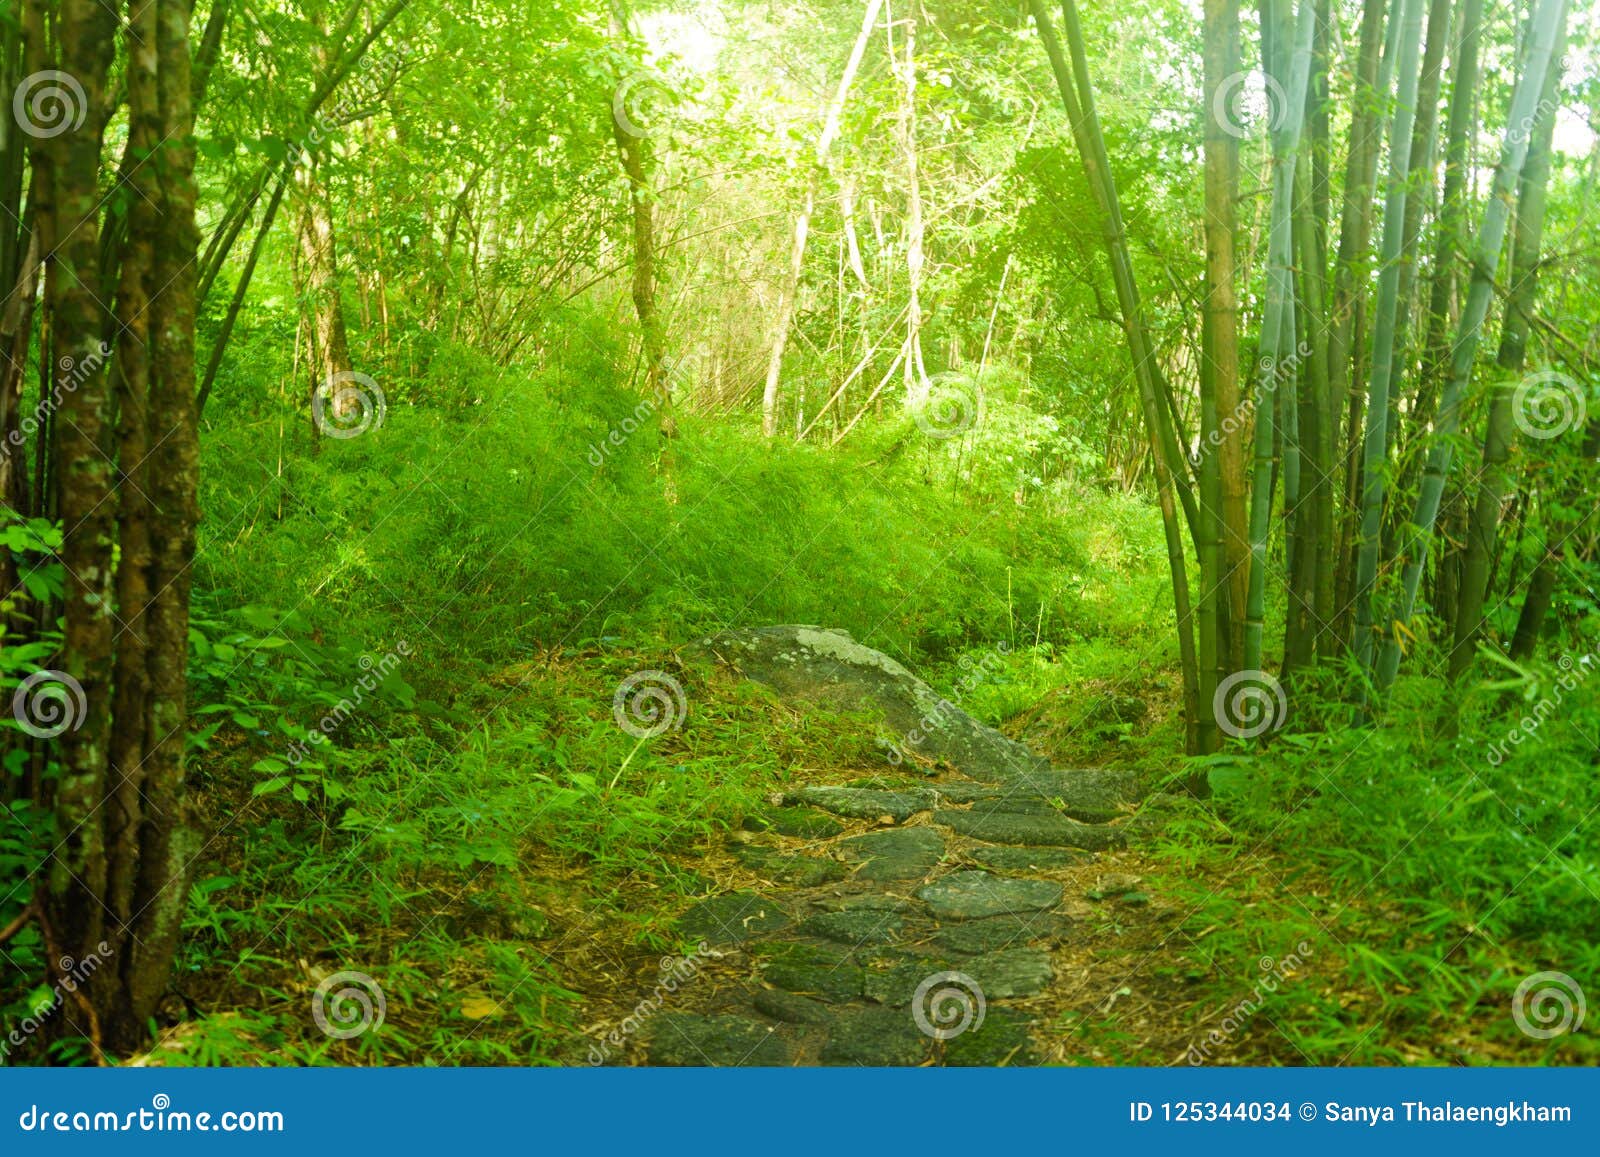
point(1573, 673)
point(47, 104)
point(631, 98)
point(1522, 131)
point(1271, 373)
point(160, 1117)
point(649, 703)
point(376, 76)
point(347, 1004)
point(948, 1004)
point(348, 404)
point(618, 435)
point(1248, 704)
point(1548, 1004)
point(678, 373)
point(1274, 973)
point(676, 971)
point(48, 703)
point(952, 404)
point(937, 717)
point(376, 673)
point(73, 974)
point(73, 373)
point(1244, 98)
point(1547, 403)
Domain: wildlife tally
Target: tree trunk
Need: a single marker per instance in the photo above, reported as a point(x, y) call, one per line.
point(1276, 363)
point(634, 150)
point(1078, 98)
point(802, 225)
point(1495, 483)
point(1222, 530)
point(1346, 307)
point(1542, 583)
point(1450, 231)
point(916, 375)
point(1437, 32)
point(1548, 21)
point(1375, 445)
point(324, 298)
point(111, 900)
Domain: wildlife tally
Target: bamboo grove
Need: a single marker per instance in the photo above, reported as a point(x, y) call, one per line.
point(1359, 465)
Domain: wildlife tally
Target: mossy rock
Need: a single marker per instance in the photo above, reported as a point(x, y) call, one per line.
point(828, 973)
point(733, 918)
point(801, 823)
point(1002, 1039)
point(685, 1040)
point(878, 1037)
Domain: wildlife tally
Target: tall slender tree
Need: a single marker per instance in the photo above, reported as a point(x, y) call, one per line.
point(1222, 541)
point(1078, 97)
point(790, 291)
point(1374, 468)
point(1526, 110)
point(1276, 360)
point(115, 886)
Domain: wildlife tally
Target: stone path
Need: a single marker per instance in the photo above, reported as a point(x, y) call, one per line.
point(898, 922)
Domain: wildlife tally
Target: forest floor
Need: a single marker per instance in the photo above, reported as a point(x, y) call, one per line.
point(763, 888)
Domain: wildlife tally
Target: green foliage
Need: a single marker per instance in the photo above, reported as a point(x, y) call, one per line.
point(1431, 863)
point(530, 511)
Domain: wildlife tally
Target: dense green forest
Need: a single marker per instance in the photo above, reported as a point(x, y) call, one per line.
point(424, 423)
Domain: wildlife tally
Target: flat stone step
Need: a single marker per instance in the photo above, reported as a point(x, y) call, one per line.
point(863, 803)
point(854, 928)
point(1049, 831)
point(897, 854)
point(821, 665)
point(877, 1037)
point(975, 894)
point(1022, 859)
point(796, 822)
point(1019, 804)
point(1002, 1039)
point(781, 867)
point(733, 918)
point(975, 937)
point(829, 974)
point(1011, 972)
point(683, 1039)
point(792, 1008)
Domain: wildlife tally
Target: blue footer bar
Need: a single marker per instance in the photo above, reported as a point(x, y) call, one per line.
point(799, 1111)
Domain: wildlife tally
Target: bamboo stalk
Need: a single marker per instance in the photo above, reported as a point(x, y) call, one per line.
point(1525, 113)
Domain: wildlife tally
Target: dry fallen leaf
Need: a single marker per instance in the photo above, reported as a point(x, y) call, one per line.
point(479, 1007)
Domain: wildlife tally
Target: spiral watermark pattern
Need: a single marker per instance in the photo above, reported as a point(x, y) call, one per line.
point(631, 102)
point(1235, 103)
point(953, 405)
point(47, 104)
point(649, 703)
point(1248, 704)
point(1548, 404)
point(1548, 1004)
point(948, 1004)
point(349, 404)
point(347, 1004)
point(48, 703)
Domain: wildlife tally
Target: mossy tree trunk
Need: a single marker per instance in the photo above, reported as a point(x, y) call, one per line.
point(111, 898)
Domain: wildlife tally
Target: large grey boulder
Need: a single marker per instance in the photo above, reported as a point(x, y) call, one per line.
point(825, 665)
